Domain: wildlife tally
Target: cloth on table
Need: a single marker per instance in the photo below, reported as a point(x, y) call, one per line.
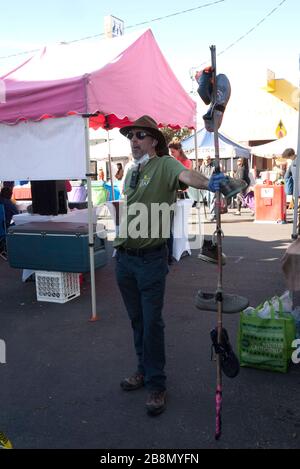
point(180, 228)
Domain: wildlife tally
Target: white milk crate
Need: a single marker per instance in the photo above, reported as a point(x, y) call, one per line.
point(56, 287)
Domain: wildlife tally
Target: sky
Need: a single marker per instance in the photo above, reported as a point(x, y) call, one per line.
point(184, 38)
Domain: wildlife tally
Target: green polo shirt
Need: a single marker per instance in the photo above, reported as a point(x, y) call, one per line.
point(147, 209)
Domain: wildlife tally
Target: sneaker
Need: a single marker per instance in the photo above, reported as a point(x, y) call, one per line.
point(231, 303)
point(209, 253)
point(231, 187)
point(136, 381)
point(156, 402)
point(237, 213)
point(230, 364)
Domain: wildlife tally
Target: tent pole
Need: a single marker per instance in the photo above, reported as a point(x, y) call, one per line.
point(90, 220)
point(109, 160)
point(198, 191)
point(296, 184)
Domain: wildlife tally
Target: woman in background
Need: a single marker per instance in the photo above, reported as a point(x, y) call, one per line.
point(177, 152)
point(120, 172)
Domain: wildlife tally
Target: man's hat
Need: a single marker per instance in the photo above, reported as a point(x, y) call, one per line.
point(148, 124)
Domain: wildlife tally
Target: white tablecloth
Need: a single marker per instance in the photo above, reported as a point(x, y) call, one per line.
point(74, 216)
point(22, 205)
point(180, 228)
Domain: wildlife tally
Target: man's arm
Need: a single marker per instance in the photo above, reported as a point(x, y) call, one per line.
point(194, 179)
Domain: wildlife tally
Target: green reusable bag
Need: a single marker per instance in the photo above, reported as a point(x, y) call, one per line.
point(266, 343)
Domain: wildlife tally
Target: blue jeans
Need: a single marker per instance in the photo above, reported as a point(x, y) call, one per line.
point(142, 280)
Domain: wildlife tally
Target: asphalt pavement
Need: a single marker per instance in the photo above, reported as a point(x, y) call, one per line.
point(60, 384)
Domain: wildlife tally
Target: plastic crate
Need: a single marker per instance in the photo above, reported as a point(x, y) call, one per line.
point(56, 287)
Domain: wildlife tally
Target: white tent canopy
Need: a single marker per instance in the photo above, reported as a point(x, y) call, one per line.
point(119, 146)
point(228, 148)
point(276, 148)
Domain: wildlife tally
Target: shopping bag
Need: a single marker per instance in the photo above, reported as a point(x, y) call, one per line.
point(266, 343)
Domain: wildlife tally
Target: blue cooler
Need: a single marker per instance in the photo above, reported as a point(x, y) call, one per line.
point(53, 246)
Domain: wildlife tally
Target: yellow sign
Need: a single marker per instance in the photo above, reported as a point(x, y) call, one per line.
point(280, 130)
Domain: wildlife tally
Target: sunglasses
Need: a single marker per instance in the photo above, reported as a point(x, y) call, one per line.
point(140, 135)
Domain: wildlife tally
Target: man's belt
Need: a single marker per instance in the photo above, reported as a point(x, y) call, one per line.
point(141, 252)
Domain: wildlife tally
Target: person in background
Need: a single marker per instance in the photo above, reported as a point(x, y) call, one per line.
point(10, 209)
point(179, 155)
point(207, 168)
point(242, 173)
point(101, 174)
point(8, 184)
point(278, 170)
point(176, 151)
point(289, 154)
point(120, 172)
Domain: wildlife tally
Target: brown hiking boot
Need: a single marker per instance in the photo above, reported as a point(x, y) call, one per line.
point(156, 402)
point(136, 381)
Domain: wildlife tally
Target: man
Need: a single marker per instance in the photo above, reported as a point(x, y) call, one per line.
point(141, 266)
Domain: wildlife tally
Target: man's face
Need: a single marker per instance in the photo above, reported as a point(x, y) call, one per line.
point(207, 160)
point(141, 143)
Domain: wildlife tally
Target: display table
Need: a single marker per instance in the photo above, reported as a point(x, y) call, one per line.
point(180, 228)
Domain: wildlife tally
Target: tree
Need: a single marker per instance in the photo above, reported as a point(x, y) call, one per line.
point(169, 134)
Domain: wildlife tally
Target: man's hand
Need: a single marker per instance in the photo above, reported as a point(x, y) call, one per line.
point(214, 182)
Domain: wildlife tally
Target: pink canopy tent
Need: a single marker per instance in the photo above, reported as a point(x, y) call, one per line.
point(110, 83)
point(119, 79)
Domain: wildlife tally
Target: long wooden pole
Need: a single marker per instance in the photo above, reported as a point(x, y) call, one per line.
point(219, 292)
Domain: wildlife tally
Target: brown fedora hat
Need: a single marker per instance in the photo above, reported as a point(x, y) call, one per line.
point(148, 124)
